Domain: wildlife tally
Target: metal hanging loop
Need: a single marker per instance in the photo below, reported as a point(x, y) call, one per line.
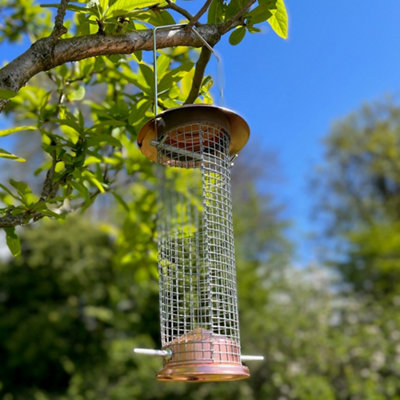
point(217, 56)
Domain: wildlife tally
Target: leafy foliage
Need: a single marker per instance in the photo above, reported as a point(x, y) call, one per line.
point(88, 144)
point(362, 184)
point(20, 17)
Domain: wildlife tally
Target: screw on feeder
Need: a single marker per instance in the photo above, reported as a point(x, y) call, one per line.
point(193, 149)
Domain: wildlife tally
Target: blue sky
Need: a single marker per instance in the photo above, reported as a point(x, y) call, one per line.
point(339, 55)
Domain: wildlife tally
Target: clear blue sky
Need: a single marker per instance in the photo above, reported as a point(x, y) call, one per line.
point(339, 54)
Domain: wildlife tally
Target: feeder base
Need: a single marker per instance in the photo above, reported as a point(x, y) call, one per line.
point(203, 372)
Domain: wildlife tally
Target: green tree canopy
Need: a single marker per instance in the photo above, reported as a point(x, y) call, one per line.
point(360, 183)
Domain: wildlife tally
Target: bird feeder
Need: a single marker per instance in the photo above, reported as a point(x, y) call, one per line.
point(193, 147)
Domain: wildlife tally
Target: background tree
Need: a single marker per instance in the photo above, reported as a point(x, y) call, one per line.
point(360, 181)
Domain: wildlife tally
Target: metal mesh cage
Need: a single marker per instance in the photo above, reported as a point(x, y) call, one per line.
point(192, 147)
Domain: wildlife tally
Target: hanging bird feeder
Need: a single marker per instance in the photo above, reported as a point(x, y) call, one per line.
point(193, 147)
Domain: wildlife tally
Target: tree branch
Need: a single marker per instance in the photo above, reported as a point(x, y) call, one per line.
point(198, 75)
point(59, 28)
point(179, 10)
point(44, 54)
point(236, 19)
point(10, 220)
point(50, 187)
point(193, 21)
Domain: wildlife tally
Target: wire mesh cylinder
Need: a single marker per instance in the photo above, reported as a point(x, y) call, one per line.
point(197, 277)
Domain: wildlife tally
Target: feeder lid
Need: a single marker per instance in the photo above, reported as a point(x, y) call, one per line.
point(192, 113)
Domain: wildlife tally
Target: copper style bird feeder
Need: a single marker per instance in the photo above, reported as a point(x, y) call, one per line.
point(193, 147)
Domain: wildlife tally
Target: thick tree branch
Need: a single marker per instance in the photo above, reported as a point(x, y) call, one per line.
point(236, 19)
point(193, 21)
point(44, 54)
point(198, 75)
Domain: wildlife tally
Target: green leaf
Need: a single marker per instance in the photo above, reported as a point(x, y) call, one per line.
point(72, 7)
point(6, 132)
point(138, 111)
point(13, 242)
point(252, 29)
point(60, 166)
point(122, 7)
point(91, 178)
point(77, 94)
point(7, 94)
point(70, 133)
point(279, 20)
point(10, 156)
point(233, 7)
point(174, 75)
point(147, 74)
point(207, 84)
point(138, 81)
point(163, 63)
point(27, 197)
point(97, 139)
point(21, 187)
point(216, 12)
point(260, 13)
point(72, 123)
point(156, 18)
point(7, 190)
point(83, 29)
point(138, 55)
point(237, 35)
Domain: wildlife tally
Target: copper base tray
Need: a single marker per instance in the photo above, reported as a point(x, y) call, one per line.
point(201, 356)
point(203, 372)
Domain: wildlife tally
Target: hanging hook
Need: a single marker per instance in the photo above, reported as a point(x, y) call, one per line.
point(219, 61)
point(217, 56)
point(155, 61)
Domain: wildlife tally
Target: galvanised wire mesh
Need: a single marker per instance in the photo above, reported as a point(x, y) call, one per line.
point(197, 277)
